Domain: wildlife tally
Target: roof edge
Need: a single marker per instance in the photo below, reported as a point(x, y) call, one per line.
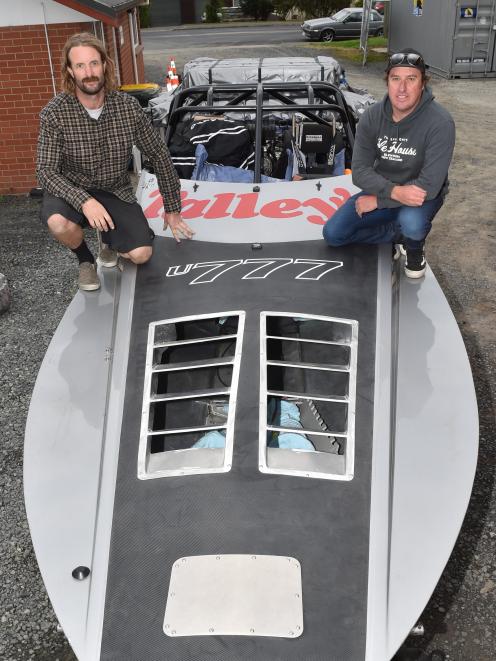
point(98, 11)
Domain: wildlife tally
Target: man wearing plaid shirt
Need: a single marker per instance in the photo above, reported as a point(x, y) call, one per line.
point(86, 137)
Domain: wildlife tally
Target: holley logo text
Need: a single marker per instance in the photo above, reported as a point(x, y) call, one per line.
point(242, 206)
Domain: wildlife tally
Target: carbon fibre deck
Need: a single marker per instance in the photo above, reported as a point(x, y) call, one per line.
point(324, 524)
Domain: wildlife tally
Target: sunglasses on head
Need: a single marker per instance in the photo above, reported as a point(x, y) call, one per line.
point(410, 59)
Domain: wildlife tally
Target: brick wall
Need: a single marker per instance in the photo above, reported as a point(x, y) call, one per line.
point(125, 54)
point(26, 87)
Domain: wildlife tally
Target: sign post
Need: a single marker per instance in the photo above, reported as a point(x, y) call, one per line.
point(364, 34)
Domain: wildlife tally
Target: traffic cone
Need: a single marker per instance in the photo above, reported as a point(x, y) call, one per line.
point(171, 79)
point(174, 78)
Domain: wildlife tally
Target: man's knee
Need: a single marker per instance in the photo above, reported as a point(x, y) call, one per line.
point(57, 224)
point(333, 237)
point(140, 255)
point(414, 223)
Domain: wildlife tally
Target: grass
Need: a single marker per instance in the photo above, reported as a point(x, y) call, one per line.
point(374, 42)
point(350, 49)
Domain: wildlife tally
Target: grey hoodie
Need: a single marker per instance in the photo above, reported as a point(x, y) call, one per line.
point(416, 150)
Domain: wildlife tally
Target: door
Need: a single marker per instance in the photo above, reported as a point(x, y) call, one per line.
point(353, 25)
point(474, 38)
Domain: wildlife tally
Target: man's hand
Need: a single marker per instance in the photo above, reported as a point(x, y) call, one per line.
point(410, 195)
point(97, 215)
point(178, 226)
point(365, 203)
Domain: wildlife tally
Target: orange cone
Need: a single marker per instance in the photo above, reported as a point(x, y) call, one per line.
point(172, 79)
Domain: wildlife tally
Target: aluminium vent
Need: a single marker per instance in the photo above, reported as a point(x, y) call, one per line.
point(189, 395)
point(307, 395)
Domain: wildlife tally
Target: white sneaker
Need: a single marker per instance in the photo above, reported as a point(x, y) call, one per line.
point(107, 257)
point(88, 277)
point(415, 263)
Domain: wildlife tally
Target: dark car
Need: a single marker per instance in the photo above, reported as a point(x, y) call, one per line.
point(345, 24)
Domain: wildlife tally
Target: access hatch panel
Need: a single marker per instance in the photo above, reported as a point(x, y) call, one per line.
point(237, 595)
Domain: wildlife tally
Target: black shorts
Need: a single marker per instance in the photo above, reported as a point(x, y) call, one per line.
point(131, 227)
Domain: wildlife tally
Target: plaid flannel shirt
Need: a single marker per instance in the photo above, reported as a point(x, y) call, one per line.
point(76, 152)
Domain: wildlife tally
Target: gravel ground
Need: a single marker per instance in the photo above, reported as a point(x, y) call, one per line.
point(460, 619)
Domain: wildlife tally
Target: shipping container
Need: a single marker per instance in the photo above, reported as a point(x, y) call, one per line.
point(457, 38)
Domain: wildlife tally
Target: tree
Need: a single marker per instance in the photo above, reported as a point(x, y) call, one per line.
point(257, 9)
point(320, 8)
point(282, 7)
point(212, 11)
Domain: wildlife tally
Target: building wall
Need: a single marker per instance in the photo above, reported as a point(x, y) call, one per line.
point(125, 55)
point(165, 12)
point(25, 88)
point(35, 12)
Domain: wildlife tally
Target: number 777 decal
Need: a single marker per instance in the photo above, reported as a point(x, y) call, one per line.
point(264, 268)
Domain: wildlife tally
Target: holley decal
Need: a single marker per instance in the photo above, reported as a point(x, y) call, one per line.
point(243, 206)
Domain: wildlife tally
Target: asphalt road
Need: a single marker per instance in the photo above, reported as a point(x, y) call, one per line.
point(460, 619)
point(158, 39)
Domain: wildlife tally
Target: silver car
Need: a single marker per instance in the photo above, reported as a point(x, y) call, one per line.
point(345, 24)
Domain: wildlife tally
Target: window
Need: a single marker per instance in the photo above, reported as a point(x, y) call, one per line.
point(189, 396)
point(307, 398)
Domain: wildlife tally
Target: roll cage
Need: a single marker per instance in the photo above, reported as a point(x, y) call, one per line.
point(254, 103)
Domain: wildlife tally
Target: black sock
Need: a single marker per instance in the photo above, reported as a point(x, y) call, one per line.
point(83, 253)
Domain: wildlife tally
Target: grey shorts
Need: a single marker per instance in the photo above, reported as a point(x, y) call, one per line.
point(131, 227)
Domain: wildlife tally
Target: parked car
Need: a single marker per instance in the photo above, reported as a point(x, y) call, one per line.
point(346, 24)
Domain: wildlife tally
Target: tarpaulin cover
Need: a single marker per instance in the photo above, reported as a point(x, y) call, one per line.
point(208, 70)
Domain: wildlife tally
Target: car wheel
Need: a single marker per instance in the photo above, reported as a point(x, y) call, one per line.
point(327, 35)
point(379, 33)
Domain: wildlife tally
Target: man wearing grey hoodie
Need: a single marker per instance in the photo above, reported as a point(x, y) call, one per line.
point(402, 153)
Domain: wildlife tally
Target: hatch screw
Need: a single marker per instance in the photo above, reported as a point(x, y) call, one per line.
point(211, 630)
point(80, 573)
point(418, 630)
point(256, 189)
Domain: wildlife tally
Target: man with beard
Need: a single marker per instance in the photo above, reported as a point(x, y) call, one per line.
point(87, 133)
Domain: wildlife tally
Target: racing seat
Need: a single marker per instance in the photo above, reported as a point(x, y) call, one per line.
point(318, 150)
